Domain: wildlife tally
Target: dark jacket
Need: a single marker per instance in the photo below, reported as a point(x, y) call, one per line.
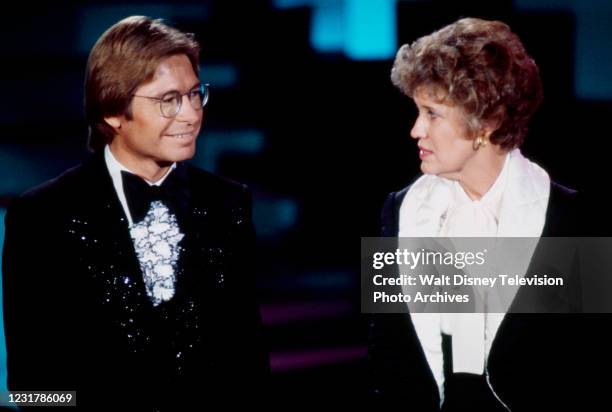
point(537, 361)
point(76, 313)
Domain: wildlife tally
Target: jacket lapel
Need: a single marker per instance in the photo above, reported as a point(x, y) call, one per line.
point(99, 235)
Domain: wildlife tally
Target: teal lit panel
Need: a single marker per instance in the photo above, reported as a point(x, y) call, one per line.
point(96, 19)
point(593, 54)
point(274, 215)
point(23, 166)
point(212, 145)
point(361, 29)
point(219, 75)
point(287, 4)
point(371, 31)
point(328, 31)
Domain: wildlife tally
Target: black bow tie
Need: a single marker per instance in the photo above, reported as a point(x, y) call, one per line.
point(173, 193)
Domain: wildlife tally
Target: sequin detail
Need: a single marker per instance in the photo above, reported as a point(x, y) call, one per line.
point(156, 240)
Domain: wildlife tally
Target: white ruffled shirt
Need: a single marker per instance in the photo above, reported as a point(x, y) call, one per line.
point(155, 238)
point(514, 206)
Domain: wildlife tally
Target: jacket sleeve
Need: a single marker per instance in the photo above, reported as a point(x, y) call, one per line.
point(388, 219)
point(32, 305)
point(397, 368)
point(249, 349)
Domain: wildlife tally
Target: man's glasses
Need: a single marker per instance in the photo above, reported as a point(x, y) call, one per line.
point(170, 103)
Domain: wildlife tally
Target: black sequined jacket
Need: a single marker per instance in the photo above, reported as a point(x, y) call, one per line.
point(77, 316)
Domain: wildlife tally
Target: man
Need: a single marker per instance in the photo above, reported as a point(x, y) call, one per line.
point(129, 278)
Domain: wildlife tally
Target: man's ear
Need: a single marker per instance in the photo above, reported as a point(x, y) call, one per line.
point(113, 121)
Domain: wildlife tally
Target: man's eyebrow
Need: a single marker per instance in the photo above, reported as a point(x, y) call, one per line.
point(161, 94)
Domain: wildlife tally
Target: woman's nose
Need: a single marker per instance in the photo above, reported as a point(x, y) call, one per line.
point(418, 129)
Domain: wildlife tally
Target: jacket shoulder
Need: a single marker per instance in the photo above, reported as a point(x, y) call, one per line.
point(221, 191)
point(559, 191)
point(563, 212)
point(55, 191)
point(215, 182)
point(390, 211)
point(576, 213)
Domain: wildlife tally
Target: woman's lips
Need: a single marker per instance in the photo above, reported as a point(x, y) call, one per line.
point(423, 153)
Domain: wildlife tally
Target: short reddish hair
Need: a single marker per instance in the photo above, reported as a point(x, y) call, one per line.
point(482, 67)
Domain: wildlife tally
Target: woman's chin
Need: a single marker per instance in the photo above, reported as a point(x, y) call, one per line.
point(428, 169)
point(437, 170)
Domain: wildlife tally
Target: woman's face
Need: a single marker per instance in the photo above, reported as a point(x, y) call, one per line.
point(445, 148)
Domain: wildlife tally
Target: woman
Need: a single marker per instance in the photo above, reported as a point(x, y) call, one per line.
point(476, 88)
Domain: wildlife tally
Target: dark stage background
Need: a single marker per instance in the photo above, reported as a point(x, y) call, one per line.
point(303, 111)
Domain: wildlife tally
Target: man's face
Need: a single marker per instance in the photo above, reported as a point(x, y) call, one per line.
point(149, 140)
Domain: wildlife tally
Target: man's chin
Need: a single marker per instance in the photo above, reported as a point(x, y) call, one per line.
point(168, 159)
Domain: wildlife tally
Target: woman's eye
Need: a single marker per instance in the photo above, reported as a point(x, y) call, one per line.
point(431, 114)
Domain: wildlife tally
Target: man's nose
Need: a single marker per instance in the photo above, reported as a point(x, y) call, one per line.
point(187, 113)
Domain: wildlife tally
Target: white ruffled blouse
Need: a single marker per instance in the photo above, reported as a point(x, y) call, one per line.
point(515, 206)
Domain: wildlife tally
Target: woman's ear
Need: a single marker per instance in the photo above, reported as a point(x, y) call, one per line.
point(486, 132)
point(492, 122)
point(487, 128)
